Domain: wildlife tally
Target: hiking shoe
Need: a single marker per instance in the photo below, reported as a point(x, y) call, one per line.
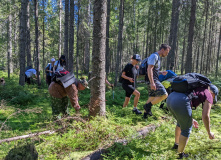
point(145, 115)
point(136, 111)
point(148, 110)
point(182, 155)
point(175, 146)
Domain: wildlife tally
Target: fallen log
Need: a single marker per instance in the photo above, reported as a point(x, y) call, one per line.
point(44, 132)
point(141, 134)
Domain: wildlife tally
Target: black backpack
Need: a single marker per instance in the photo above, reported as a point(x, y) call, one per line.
point(188, 82)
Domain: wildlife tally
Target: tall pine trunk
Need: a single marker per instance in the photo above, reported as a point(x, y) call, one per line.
point(77, 54)
point(66, 32)
point(10, 65)
point(107, 38)
point(28, 39)
point(22, 40)
point(60, 28)
point(218, 52)
point(37, 41)
point(173, 34)
point(188, 67)
point(120, 38)
point(71, 38)
point(97, 101)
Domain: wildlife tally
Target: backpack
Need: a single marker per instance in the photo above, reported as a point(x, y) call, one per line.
point(143, 68)
point(65, 77)
point(188, 82)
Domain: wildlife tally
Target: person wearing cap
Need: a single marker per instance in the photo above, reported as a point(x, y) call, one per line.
point(59, 96)
point(60, 64)
point(156, 90)
point(49, 71)
point(129, 75)
point(180, 105)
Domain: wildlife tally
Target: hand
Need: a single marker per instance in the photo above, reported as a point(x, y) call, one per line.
point(153, 86)
point(112, 85)
point(195, 124)
point(137, 67)
point(211, 135)
point(131, 80)
point(77, 107)
point(164, 73)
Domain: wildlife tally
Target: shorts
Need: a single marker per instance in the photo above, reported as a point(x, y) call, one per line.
point(160, 90)
point(28, 80)
point(129, 89)
point(179, 105)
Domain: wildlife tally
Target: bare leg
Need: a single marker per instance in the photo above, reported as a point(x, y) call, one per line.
point(136, 98)
point(177, 134)
point(127, 99)
point(159, 99)
point(182, 143)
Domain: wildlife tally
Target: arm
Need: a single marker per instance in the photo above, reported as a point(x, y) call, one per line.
point(108, 83)
point(163, 72)
point(150, 76)
point(206, 118)
point(128, 78)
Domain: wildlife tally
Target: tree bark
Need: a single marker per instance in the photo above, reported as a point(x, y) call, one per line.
point(22, 40)
point(188, 67)
point(43, 41)
point(10, 65)
point(28, 39)
point(120, 37)
point(37, 41)
point(60, 28)
point(173, 34)
point(97, 101)
point(183, 53)
point(66, 34)
point(78, 24)
point(87, 40)
point(107, 38)
point(218, 52)
point(71, 38)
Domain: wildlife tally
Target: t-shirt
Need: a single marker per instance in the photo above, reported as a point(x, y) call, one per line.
point(203, 95)
point(130, 71)
point(59, 67)
point(29, 73)
point(154, 59)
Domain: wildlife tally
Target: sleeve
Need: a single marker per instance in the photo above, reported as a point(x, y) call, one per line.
point(152, 59)
point(56, 63)
point(126, 68)
point(72, 94)
point(34, 72)
point(208, 96)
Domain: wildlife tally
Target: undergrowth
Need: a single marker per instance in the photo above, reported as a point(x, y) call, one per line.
point(26, 110)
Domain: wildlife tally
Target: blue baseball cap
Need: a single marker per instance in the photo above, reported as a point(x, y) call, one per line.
point(136, 57)
point(215, 90)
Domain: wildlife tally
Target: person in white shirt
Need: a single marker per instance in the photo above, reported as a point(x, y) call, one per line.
point(28, 74)
point(60, 64)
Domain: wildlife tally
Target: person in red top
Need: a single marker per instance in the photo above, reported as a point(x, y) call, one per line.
point(180, 105)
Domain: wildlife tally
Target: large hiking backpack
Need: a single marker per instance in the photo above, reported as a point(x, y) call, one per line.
point(65, 77)
point(143, 67)
point(188, 82)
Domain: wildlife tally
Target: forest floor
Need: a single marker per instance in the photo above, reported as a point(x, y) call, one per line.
point(26, 110)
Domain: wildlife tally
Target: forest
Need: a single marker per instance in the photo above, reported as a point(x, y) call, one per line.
point(98, 39)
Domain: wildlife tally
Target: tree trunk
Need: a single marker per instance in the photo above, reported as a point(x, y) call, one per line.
point(37, 41)
point(173, 34)
point(120, 35)
point(71, 38)
point(87, 40)
point(28, 39)
point(60, 28)
point(197, 59)
point(208, 49)
point(188, 67)
point(97, 101)
point(10, 65)
point(66, 32)
point(22, 40)
point(204, 37)
point(77, 54)
point(183, 53)
point(43, 38)
point(107, 38)
point(218, 52)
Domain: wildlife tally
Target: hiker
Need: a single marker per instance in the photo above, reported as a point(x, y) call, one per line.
point(59, 93)
point(156, 90)
point(129, 75)
point(60, 64)
point(49, 71)
point(180, 105)
point(29, 74)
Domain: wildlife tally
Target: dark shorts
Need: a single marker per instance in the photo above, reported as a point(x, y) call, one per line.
point(28, 80)
point(129, 89)
point(48, 79)
point(160, 90)
point(179, 105)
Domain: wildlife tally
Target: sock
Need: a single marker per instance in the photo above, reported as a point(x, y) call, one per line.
point(135, 108)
